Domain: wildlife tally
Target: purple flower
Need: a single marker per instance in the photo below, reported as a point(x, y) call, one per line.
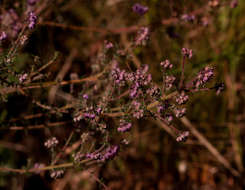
point(166, 64)
point(138, 111)
point(98, 110)
point(182, 98)
point(142, 36)
point(124, 126)
point(107, 154)
point(168, 118)
point(169, 82)
point(188, 18)
point(110, 152)
point(3, 36)
point(32, 20)
point(85, 96)
point(118, 75)
point(108, 45)
point(203, 76)
point(183, 136)
point(51, 143)
point(23, 77)
point(89, 115)
point(187, 52)
point(140, 9)
point(154, 91)
point(180, 112)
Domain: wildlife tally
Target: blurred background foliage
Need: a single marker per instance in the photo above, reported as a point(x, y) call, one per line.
point(153, 159)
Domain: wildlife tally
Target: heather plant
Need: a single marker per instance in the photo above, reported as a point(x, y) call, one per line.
point(97, 107)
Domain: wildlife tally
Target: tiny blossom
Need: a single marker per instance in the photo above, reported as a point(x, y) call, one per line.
point(142, 36)
point(124, 126)
point(138, 111)
point(78, 156)
point(108, 45)
point(140, 9)
point(37, 167)
point(77, 118)
point(140, 79)
point(180, 112)
point(23, 39)
point(168, 118)
point(57, 174)
point(153, 91)
point(160, 109)
point(203, 76)
point(52, 142)
point(182, 98)
point(187, 52)
point(125, 141)
point(99, 110)
point(89, 115)
point(118, 75)
point(188, 18)
point(32, 20)
point(183, 136)
point(23, 77)
point(3, 36)
point(166, 64)
point(169, 82)
point(93, 156)
point(85, 96)
point(110, 152)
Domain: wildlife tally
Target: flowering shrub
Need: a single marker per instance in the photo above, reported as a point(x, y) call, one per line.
point(108, 94)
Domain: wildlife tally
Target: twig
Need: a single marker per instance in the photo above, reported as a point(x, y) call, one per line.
point(42, 126)
point(91, 29)
point(209, 146)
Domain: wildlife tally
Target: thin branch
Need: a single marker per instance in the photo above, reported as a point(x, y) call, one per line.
point(92, 29)
point(209, 146)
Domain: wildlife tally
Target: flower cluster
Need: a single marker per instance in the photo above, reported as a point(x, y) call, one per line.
point(118, 75)
point(142, 36)
point(57, 174)
point(3, 36)
point(169, 80)
point(138, 111)
point(140, 79)
point(183, 136)
point(51, 143)
point(107, 154)
point(78, 157)
point(166, 64)
point(187, 52)
point(180, 112)
point(124, 126)
point(22, 78)
point(182, 98)
point(203, 76)
point(188, 18)
point(32, 19)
